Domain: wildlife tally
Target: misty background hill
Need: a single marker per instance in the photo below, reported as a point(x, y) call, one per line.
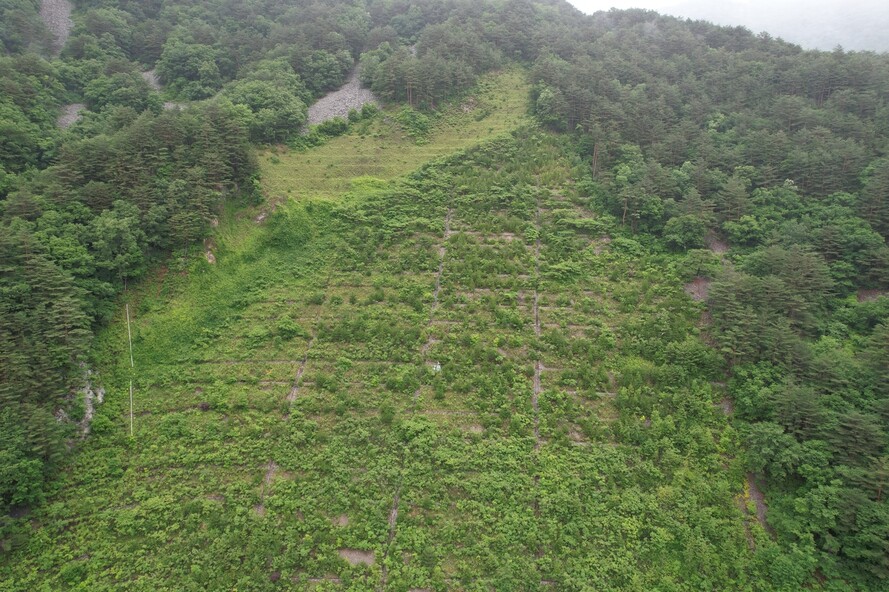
point(859, 25)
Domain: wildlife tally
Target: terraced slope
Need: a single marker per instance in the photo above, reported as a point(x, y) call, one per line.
point(446, 382)
point(384, 150)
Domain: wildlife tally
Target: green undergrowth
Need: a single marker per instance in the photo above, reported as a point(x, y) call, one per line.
point(398, 140)
point(466, 378)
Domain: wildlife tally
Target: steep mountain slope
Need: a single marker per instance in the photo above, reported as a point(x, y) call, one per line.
point(636, 339)
point(433, 384)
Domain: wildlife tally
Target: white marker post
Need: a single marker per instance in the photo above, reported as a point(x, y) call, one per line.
point(132, 367)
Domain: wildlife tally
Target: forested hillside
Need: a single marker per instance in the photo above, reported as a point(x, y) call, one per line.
point(483, 375)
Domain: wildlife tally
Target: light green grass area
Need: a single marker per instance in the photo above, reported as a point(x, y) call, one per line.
point(382, 149)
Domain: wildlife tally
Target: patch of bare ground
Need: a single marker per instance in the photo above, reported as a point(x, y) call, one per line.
point(752, 493)
point(209, 246)
point(56, 15)
point(715, 244)
point(759, 501)
point(491, 236)
point(70, 115)
point(600, 244)
point(577, 438)
point(698, 288)
point(150, 76)
point(393, 517)
point(727, 406)
point(271, 469)
point(341, 520)
point(357, 556)
point(339, 102)
point(870, 295)
point(706, 319)
point(298, 378)
point(328, 579)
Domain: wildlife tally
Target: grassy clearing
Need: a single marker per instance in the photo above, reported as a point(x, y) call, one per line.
point(382, 149)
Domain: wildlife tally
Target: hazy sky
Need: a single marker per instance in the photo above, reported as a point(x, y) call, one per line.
point(822, 24)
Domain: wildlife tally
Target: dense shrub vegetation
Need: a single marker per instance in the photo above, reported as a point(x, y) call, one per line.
point(673, 152)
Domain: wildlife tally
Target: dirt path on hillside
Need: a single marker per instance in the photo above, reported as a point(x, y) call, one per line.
point(56, 15)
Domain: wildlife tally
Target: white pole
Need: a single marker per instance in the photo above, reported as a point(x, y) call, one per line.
point(131, 409)
point(130, 336)
point(132, 367)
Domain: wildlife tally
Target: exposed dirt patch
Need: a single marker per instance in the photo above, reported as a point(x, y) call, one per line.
point(717, 245)
point(331, 579)
point(211, 258)
point(870, 295)
point(70, 115)
point(339, 102)
point(56, 15)
point(91, 397)
point(259, 509)
point(698, 289)
point(393, 517)
point(271, 469)
point(341, 520)
point(357, 556)
point(759, 501)
point(599, 244)
point(727, 406)
point(152, 79)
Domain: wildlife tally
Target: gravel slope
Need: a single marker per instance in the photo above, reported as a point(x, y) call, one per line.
point(56, 15)
point(150, 76)
point(339, 102)
point(70, 114)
